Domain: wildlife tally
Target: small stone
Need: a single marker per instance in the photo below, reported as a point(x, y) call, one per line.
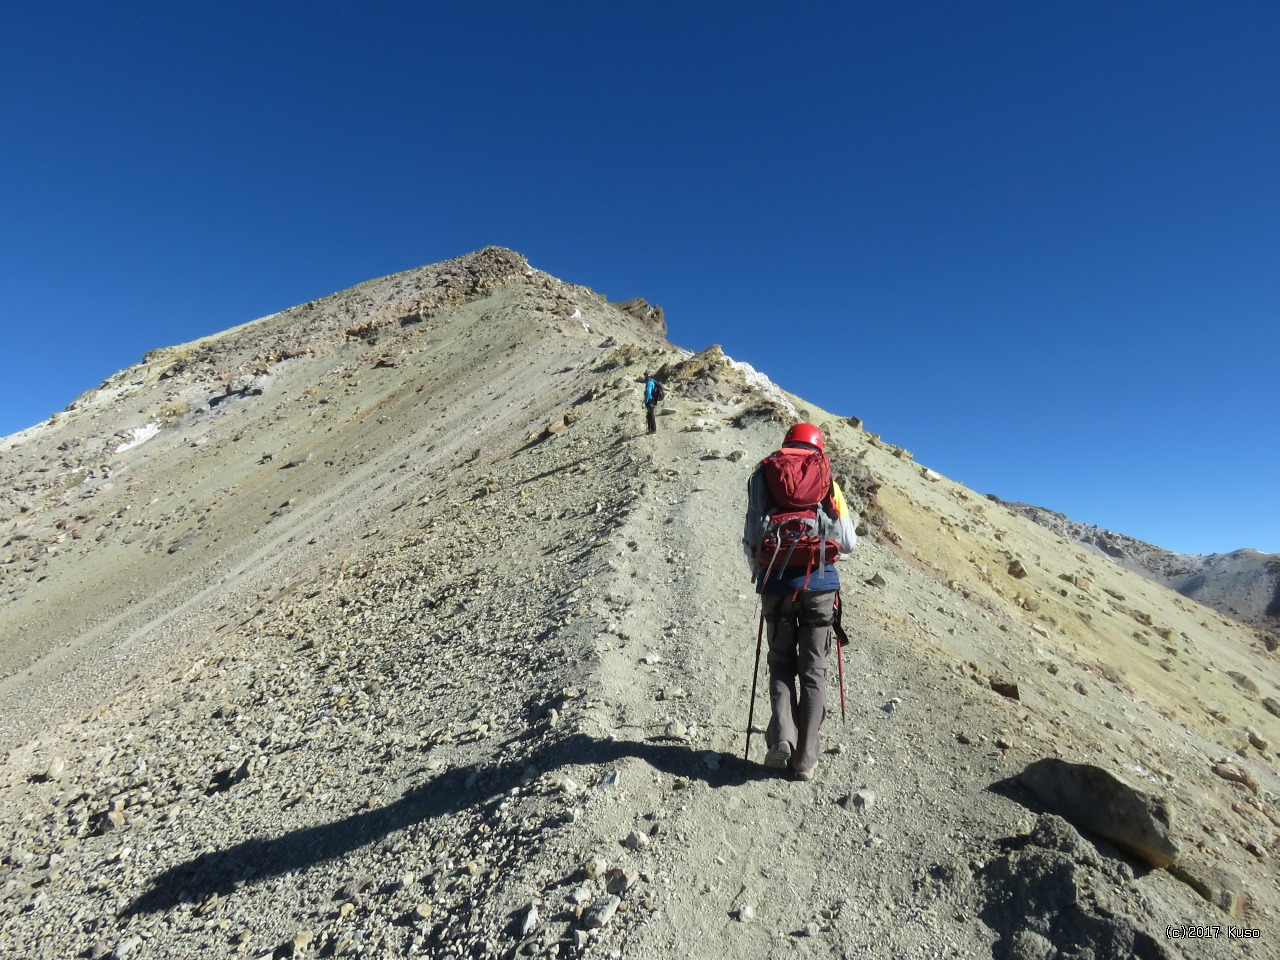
point(1237, 774)
point(423, 911)
point(712, 760)
point(347, 909)
point(355, 885)
point(580, 895)
point(1016, 569)
point(1081, 688)
point(595, 868)
point(302, 941)
point(126, 947)
point(1243, 682)
point(56, 768)
point(877, 581)
point(811, 929)
point(745, 913)
point(601, 912)
point(619, 880)
point(530, 921)
point(675, 730)
point(963, 738)
point(635, 841)
point(1256, 739)
point(1272, 706)
point(1006, 688)
point(651, 658)
point(1218, 886)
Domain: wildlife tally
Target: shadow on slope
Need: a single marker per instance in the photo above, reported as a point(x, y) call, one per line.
point(222, 872)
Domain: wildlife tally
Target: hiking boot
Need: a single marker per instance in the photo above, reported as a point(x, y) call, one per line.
point(802, 776)
point(778, 756)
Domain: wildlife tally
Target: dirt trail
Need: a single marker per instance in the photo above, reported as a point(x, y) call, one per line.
point(740, 838)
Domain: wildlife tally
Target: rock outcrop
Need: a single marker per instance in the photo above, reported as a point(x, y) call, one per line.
point(1102, 803)
point(650, 315)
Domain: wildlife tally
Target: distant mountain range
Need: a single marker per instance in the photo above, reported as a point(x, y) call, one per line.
point(1243, 584)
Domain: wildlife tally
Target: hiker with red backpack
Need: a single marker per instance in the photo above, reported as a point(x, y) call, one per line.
point(798, 524)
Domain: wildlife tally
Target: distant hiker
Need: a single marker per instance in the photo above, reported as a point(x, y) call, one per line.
point(653, 394)
point(798, 524)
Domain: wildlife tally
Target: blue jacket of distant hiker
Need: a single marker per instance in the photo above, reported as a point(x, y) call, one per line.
point(650, 392)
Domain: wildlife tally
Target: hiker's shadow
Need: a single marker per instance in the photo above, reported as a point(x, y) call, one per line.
point(222, 872)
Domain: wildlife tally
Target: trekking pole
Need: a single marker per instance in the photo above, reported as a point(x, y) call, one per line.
point(841, 639)
point(755, 678)
point(844, 719)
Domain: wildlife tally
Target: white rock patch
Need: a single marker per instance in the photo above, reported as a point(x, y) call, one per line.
point(139, 436)
point(761, 382)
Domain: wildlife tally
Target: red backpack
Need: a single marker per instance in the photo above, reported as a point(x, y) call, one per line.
point(799, 483)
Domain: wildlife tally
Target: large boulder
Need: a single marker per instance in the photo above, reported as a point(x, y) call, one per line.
point(1099, 802)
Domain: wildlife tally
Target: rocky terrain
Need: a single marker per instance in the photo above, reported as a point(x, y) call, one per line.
point(1243, 584)
point(380, 627)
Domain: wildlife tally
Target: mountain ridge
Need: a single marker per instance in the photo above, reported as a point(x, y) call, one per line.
point(418, 644)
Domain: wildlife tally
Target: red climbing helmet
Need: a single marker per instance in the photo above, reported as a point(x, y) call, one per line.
point(804, 433)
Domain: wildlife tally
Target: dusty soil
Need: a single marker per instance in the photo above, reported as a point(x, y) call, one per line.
point(468, 656)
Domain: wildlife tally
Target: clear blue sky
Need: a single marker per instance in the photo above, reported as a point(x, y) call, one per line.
point(1036, 243)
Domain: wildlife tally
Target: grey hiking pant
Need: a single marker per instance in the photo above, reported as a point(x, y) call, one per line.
point(799, 643)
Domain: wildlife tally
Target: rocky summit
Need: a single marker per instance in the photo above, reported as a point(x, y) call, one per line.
point(381, 627)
